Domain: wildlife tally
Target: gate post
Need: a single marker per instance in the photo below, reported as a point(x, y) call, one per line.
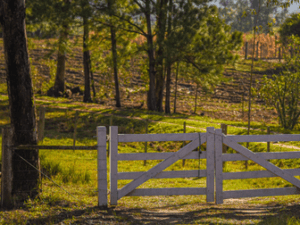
point(210, 168)
point(102, 167)
point(113, 149)
point(219, 166)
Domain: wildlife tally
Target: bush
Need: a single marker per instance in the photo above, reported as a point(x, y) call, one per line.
point(282, 91)
point(291, 26)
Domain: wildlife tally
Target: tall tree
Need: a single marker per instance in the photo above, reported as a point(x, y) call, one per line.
point(110, 6)
point(85, 12)
point(21, 99)
point(162, 10)
point(55, 17)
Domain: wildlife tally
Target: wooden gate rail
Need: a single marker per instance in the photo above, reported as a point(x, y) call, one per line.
point(157, 171)
point(259, 158)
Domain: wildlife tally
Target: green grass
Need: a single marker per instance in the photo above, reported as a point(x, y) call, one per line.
point(76, 171)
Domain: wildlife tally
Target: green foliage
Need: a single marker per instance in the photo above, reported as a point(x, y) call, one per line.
point(50, 167)
point(291, 26)
point(211, 48)
point(283, 90)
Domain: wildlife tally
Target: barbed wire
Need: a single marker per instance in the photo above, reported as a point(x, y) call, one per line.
point(47, 177)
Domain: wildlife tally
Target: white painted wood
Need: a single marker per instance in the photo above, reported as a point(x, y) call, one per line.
point(261, 192)
point(265, 138)
point(102, 166)
point(266, 155)
point(167, 191)
point(158, 168)
point(219, 166)
point(159, 137)
point(164, 174)
point(257, 174)
point(157, 156)
point(210, 161)
point(113, 149)
point(252, 156)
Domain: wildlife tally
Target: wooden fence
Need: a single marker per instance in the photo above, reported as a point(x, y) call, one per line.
point(7, 165)
point(214, 156)
point(214, 165)
point(185, 152)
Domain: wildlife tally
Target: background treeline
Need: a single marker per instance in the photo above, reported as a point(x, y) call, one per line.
point(162, 35)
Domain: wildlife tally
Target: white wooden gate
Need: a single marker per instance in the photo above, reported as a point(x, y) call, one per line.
point(259, 158)
point(139, 178)
point(214, 165)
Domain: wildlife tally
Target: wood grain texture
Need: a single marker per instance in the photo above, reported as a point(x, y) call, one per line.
point(164, 174)
point(262, 162)
point(159, 137)
point(167, 191)
point(157, 156)
point(210, 161)
point(257, 174)
point(113, 149)
point(219, 166)
point(261, 192)
point(159, 168)
point(102, 166)
point(266, 155)
point(265, 138)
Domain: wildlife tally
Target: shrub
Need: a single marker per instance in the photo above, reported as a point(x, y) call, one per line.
point(291, 26)
point(282, 91)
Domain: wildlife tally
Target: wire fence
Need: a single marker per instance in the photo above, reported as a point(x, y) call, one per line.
point(69, 172)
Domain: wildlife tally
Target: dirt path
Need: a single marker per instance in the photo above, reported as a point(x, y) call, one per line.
point(233, 211)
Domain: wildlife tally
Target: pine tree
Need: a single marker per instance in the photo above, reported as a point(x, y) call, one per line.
point(21, 99)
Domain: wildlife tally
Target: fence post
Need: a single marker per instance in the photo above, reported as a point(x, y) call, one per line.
point(102, 167)
point(184, 131)
point(146, 143)
point(110, 124)
point(41, 124)
point(279, 54)
point(275, 46)
point(113, 148)
point(75, 128)
point(246, 50)
point(224, 131)
point(219, 166)
point(7, 168)
point(210, 161)
point(268, 143)
point(257, 44)
point(261, 51)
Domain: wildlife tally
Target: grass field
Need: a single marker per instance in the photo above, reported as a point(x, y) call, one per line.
point(75, 171)
point(70, 195)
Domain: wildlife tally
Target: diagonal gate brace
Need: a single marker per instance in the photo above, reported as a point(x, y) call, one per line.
point(264, 163)
point(160, 167)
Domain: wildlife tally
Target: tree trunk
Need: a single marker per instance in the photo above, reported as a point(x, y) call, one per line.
point(21, 98)
point(86, 61)
point(168, 60)
point(196, 98)
point(159, 76)
point(59, 85)
point(168, 89)
point(176, 81)
point(115, 65)
point(114, 56)
point(151, 100)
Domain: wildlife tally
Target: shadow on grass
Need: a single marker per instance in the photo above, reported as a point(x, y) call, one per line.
point(208, 214)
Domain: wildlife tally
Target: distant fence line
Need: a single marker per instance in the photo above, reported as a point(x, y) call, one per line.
point(266, 46)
